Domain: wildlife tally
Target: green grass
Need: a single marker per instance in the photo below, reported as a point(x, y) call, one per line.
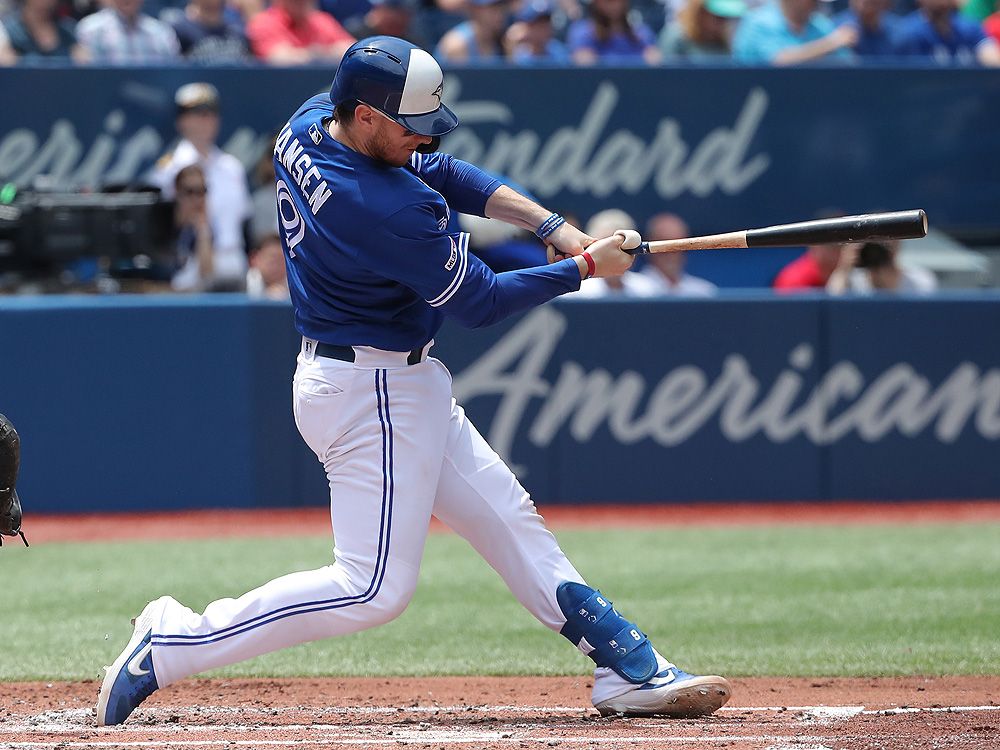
point(743, 601)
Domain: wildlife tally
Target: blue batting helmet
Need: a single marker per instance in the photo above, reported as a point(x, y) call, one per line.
point(397, 78)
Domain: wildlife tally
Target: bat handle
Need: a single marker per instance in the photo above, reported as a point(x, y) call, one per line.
point(642, 249)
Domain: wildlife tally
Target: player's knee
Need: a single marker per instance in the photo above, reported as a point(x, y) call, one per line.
point(392, 599)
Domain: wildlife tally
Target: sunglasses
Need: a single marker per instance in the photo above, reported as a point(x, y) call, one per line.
point(200, 190)
point(406, 131)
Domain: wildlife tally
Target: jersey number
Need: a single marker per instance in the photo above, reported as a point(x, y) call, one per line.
point(292, 226)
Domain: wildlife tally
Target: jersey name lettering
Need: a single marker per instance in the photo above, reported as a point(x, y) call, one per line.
point(299, 164)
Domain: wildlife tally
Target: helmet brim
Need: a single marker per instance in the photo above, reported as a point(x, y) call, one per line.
point(437, 123)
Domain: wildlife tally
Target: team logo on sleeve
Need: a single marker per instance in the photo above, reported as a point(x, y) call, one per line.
point(453, 257)
point(443, 221)
point(316, 133)
point(292, 225)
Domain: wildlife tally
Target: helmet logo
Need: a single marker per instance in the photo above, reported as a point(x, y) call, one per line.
point(437, 92)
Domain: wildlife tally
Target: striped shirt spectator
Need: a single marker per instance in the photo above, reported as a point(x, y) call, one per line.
point(122, 34)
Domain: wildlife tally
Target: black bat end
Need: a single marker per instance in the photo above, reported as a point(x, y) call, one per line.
point(897, 225)
point(642, 249)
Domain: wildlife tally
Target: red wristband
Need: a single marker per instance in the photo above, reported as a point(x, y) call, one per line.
point(591, 266)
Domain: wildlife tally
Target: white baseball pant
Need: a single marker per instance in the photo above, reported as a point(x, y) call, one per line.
point(396, 449)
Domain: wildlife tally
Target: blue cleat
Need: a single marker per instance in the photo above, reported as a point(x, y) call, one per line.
point(671, 692)
point(131, 679)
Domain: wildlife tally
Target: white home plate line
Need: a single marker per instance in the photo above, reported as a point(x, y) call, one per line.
point(930, 710)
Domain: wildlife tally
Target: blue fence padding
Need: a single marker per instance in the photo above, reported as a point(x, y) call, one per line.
point(142, 403)
point(726, 147)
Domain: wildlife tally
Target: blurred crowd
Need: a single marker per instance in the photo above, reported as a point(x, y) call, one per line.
point(519, 32)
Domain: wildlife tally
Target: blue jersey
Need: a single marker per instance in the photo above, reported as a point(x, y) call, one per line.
point(370, 259)
point(918, 36)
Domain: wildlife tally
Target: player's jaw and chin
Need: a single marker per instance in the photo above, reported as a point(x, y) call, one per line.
point(394, 149)
point(393, 144)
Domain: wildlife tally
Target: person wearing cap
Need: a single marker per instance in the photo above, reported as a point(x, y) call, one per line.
point(228, 199)
point(792, 32)
point(296, 32)
point(478, 39)
point(531, 38)
point(703, 30)
point(121, 34)
point(206, 34)
point(609, 35)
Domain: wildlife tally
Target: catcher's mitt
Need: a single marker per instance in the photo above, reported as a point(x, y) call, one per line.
point(10, 460)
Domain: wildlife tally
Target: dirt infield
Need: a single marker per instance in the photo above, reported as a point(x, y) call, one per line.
point(445, 712)
point(204, 524)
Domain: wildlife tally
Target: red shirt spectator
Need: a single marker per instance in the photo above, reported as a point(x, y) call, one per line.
point(992, 26)
point(293, 32)
point(811, 270)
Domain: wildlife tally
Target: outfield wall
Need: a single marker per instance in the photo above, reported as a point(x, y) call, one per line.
point(136, 403)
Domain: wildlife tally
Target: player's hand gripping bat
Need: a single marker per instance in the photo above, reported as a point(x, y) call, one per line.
point(897, 225)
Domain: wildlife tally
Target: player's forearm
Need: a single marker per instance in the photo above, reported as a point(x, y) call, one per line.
point(506, 204)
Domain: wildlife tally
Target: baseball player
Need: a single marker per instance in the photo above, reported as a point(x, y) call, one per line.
point(364, 199)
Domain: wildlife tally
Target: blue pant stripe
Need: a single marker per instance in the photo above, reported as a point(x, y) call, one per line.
point(381, 559)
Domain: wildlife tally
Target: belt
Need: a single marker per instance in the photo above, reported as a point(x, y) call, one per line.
point(347, 353)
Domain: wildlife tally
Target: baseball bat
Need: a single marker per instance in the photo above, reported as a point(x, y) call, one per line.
point(895, 225)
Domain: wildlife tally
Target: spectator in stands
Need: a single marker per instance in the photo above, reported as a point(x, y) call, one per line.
point(629, 284)
point(122, 34)
point(349, 13)
point(666, 270)
point(811, 270)
point(703, 30)
point(790, 32)
point(609, 36)
point(531, 38)
point(264, 195)
point(992, 26)
point(874, 267)
point(36, 33)
point(388, 17)
point(7, 54)
point(295, 32)
point(938, 32)
point(228, 200)
point(200, 265)
point(206, 34)
point(74, 10)
point(874, 24)
point(480, 38)
point(266, 278)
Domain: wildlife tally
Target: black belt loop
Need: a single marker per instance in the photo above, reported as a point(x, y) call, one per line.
point(346, 353)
